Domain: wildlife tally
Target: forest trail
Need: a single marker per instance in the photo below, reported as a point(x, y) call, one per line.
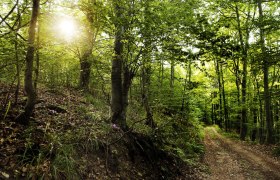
point(229, 159)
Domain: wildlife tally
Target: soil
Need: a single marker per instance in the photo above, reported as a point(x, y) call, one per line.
point(231, 159)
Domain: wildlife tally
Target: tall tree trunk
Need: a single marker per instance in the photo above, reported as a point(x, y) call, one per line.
point(214, 110)
point(276, 112)
point(18, 70)
point(146, 68)
point(187, 86)
point(85, 66)
point(218, 72)
point(116, 75)
point(237, 83)
point(267, 100)
point(85, 59)
point(261, 128)
point(224, 101)
point(127, 80)
point(255, 111)
point(244, 127)
point(92, 30)
point(146, 72)
point(184, 94)
point(17, 56)
point(37, 59)
point(213, 114)
point(23, 118)
point(255, 120)
point(244, 45)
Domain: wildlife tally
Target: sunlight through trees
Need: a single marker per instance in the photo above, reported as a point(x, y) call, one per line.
point(157, 67)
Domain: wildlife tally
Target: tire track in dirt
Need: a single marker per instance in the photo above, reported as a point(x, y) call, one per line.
point(231, 160)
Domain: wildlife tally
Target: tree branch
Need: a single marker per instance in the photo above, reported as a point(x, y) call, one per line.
point(9, 13)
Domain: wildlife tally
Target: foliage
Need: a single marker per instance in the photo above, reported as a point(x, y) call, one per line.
point(180, 136)
point(191, 63)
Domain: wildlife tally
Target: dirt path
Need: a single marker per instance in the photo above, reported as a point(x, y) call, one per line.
point(228, 160)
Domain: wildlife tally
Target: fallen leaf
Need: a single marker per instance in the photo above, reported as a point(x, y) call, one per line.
point(7, 176)
point(24, 169)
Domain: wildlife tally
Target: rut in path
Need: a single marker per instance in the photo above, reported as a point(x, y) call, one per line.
point(228, 160)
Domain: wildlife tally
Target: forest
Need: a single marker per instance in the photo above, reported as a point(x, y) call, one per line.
point(139, 89)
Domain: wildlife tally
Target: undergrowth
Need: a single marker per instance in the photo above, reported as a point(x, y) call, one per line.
point(181, 137)
point(174, 134)
point(81, 144)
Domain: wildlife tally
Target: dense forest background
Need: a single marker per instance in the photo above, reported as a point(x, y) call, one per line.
point(158, 69)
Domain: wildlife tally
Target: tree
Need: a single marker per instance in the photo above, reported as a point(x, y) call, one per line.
point(117, 107)
point(244, 56)
point(23, 118)
point(146, 63)
point(93, 12)
point(267, 100)
point(17, 55)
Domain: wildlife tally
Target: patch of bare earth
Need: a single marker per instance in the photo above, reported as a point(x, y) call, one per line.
point(229, 159)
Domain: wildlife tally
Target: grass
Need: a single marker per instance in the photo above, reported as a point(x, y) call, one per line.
point(231, 135)
point(54, 145)
point(65, 164)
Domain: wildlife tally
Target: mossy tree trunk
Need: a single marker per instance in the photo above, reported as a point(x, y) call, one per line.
point(24, 117)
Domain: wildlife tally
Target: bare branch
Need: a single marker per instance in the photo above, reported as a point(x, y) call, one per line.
point(9, 13)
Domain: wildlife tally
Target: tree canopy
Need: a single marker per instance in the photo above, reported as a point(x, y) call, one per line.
point(190, 62)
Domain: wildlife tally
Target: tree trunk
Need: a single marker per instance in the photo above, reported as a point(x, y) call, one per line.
point(218, 71)
point(255, 119)
point(85, 61)
point(224, 101)
point(244, 46)
point(146, 71)
point(18, 69)
point(213, 114)
point(261, 128)
point(276, 118)
point(185, 102)
point(127, 80)
point(24, 117)
point(184, 94)
point(244, 127)
point(37, 59)
point(214, 111)
point(267, 100)
point(237, 83)
point(116, 75)
point(146, 68)
point(85, 66)
point(92, 30)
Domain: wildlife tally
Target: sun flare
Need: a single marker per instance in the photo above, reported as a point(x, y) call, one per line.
point(67, 28)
